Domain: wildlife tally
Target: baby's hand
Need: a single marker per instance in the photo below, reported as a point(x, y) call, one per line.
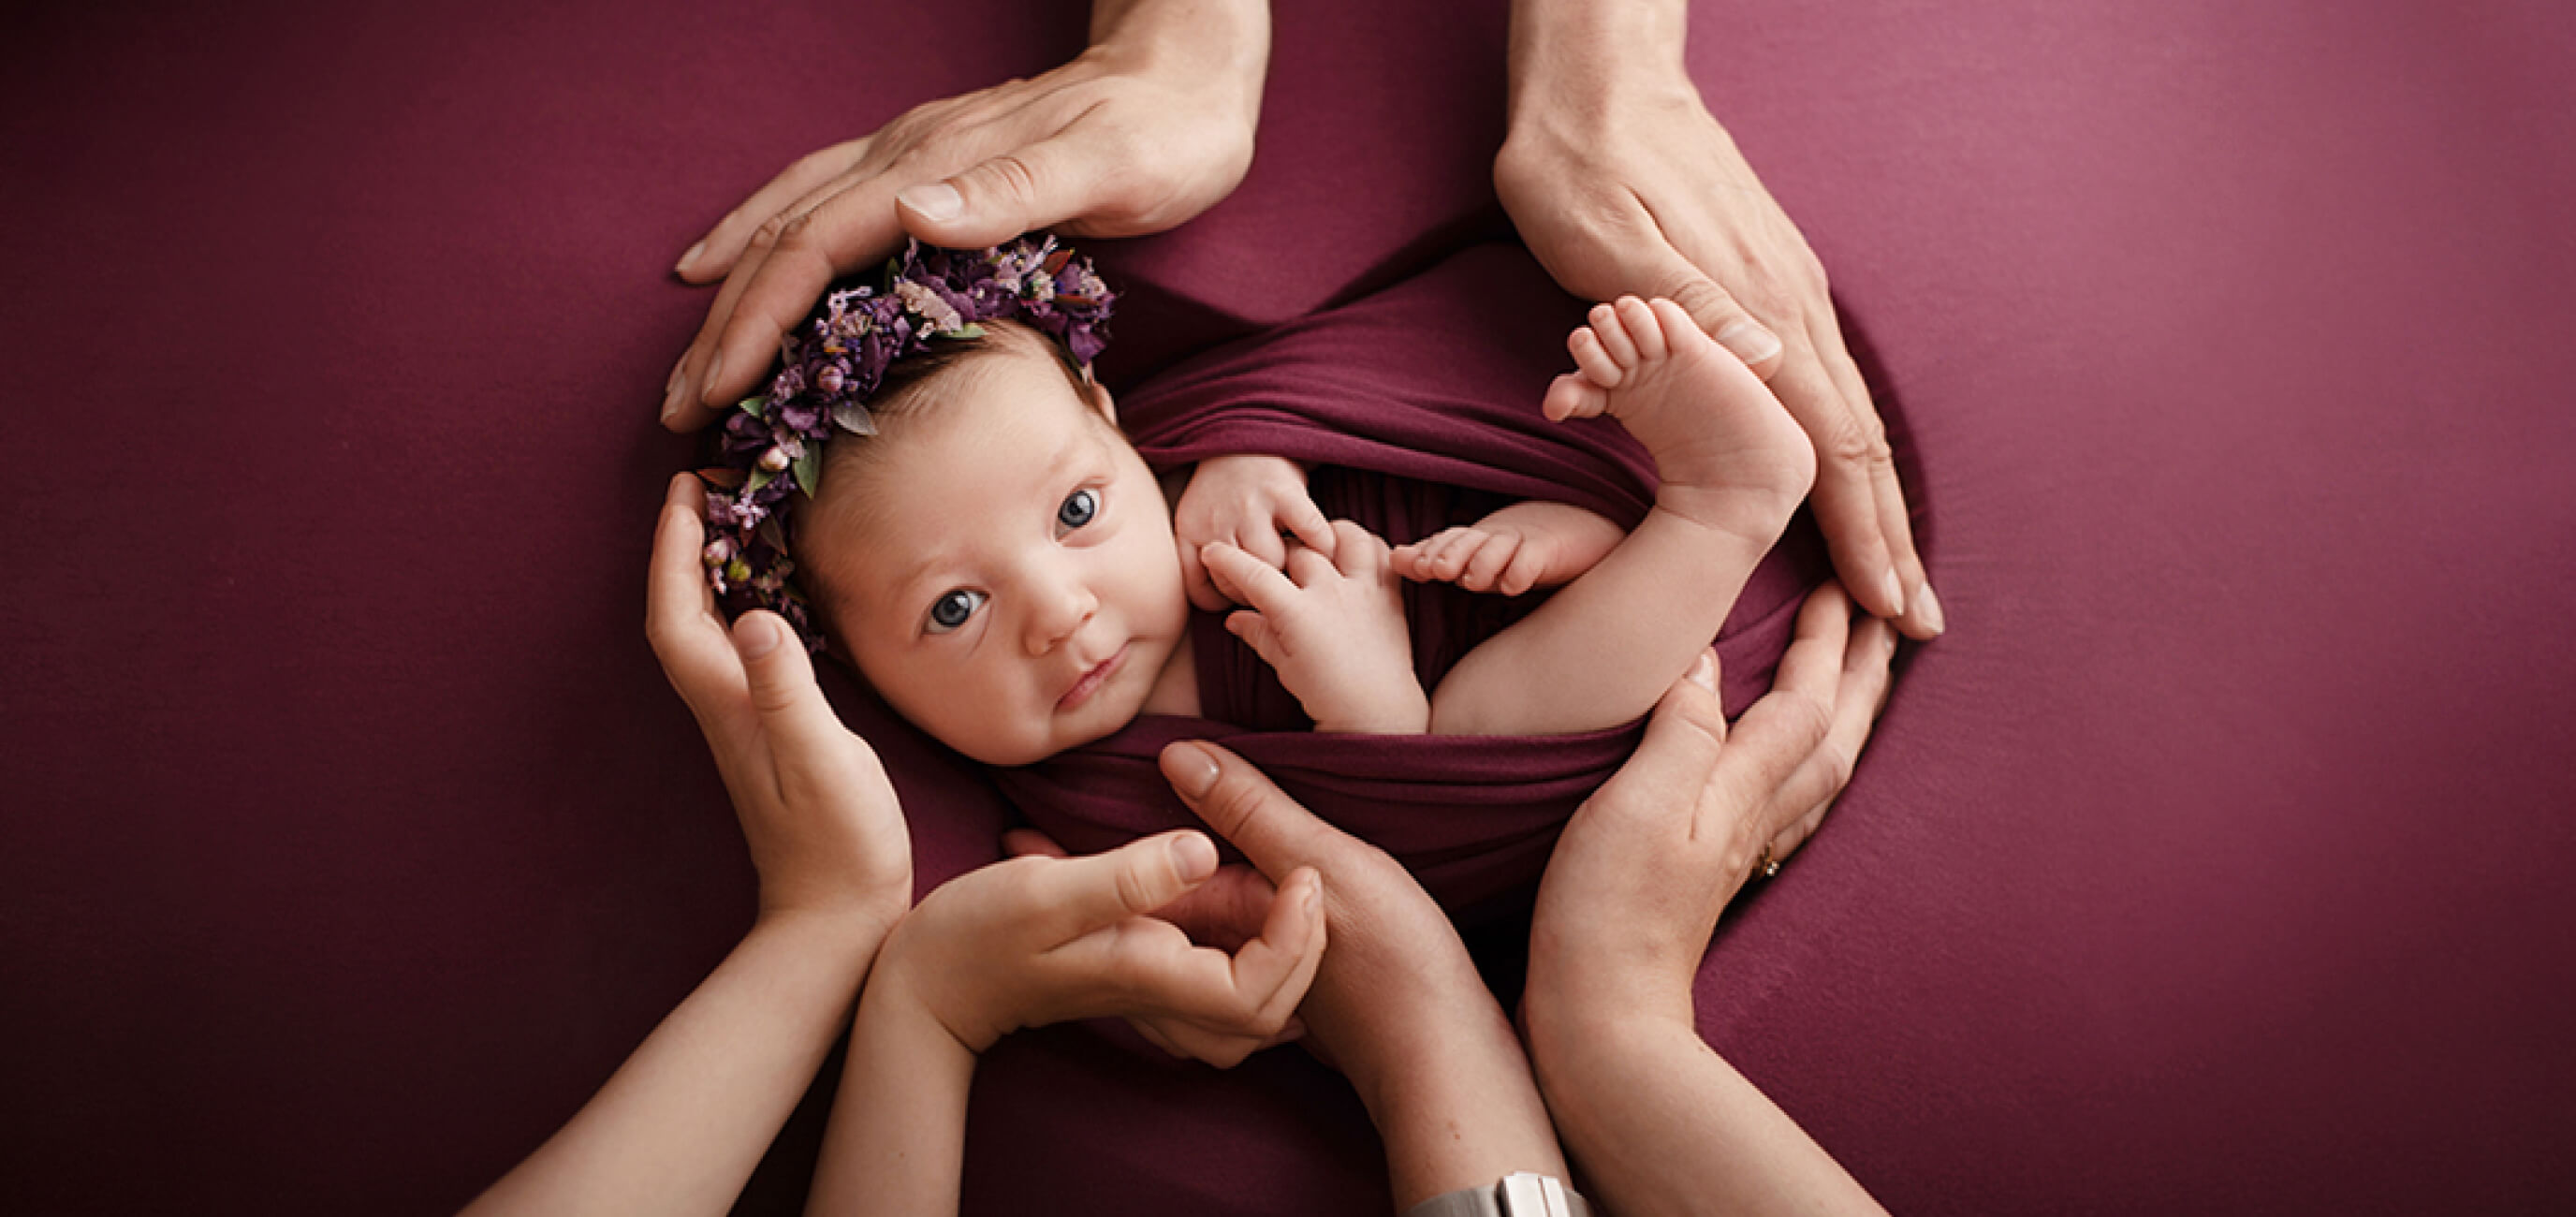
point(1037, 939)
point(1333, 627)
point(1247, 502)
point(1525, 545)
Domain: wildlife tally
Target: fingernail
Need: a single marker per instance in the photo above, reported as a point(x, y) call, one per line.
point(1193, 857)
point(1191, 770)
point(671, 388)
point(1703, 672)
point(682, 266)
point(1930, 605)
point(934, 200)
point(1895, 589)
point(1315, 897)
point(715, 376)
point(757, 636)
point(1751, 343)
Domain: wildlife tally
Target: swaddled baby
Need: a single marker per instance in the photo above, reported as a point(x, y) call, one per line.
point(984, 546)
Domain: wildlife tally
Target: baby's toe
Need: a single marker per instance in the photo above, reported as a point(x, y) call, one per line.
point(1611, 328)
point(1593, 359)
point(1643, 329)
point(1573, 396)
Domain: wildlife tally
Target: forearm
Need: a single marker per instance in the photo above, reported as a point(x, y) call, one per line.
point(679, 1126)
point(1207, 39)
point(1565, 50)
point(1460, 1107)
point(1661, 1124)
point(897, 1138)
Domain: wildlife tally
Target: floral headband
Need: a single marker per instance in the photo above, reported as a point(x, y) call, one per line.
point(833, 362)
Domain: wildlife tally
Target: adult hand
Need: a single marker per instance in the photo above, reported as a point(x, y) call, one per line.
point(1040, 939)
point(1634, 887)
point(1622, 183)
point(1397, 1004)
point(823, 823)
point(1148, 127)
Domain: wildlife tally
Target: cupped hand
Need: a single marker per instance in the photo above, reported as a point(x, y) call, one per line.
point(825, 829)
point(1041, 938)
point(1252, 502)
point(1634, 887)
point(1636, 190)
point(1148, 127)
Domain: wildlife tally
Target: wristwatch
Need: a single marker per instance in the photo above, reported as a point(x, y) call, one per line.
point(1519, 1194)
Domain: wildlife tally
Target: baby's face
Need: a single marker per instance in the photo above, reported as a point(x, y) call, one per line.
point(1011, 585)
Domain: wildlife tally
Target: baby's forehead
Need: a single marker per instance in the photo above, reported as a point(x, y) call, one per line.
point(969, 473)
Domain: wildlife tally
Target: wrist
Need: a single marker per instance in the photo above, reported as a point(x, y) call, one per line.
point(1197, 43)
point(1574, 57)
point(850, 928)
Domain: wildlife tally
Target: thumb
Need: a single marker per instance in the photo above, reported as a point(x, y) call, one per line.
point(1672, 765)
point(1129, 881)
point(806, 740)
point(1719, 316)
point(1244, 807)
point(1039, 185)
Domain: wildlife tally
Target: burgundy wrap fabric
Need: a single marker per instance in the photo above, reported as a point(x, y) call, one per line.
point(1421, 402)
point(2215, 861)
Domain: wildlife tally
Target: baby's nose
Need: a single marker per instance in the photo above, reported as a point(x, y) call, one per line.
point(1059, 611)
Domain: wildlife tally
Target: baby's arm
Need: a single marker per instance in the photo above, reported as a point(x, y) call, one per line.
point(1333, 627)
point(1031, 941)
point(1526, 545)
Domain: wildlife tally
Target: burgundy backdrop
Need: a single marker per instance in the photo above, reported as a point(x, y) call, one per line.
point(2214, 861)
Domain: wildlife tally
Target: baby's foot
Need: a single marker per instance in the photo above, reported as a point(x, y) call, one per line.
point(1525, 545)
point(1727, 453)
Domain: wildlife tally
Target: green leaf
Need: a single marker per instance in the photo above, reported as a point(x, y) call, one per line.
point(759, 478)
point(968, 330)
point(752, 405)
point(809, 470)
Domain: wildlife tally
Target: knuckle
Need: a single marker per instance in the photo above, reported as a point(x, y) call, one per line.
point(1136, 889)
point(1010, 176)
point(770, 230)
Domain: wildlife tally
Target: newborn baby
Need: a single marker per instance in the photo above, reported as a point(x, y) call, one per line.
point(1000, 565)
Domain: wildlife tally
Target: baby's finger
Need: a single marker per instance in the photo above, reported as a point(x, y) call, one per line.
point(1306, 522)
point(1247, 579)
point(1203, 591)
point(1459, 552)
point(1148, 1028)
point(1254, 629)
point(1021, 842)
point(1356, 551)
point(1529, 561)
point(1262, 541)
point(1490, 561)
point(1308, 568)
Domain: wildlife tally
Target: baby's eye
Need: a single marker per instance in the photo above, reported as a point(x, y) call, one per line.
point(1079, 508)
point(953, 609)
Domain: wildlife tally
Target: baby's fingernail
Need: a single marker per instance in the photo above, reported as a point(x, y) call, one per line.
point(1191, 770)
point(1703, 672)
point(1751, 343)
point(937, 201)
point(1895, 589)
point(688, 259)
point(1193, 856)
point(1930, 606)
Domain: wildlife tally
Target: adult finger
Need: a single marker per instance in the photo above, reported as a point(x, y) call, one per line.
point(1684, 739)
point(1086, 893)
point(814, 755)
point(1244, 807)
point(1922, 617)
point(1037, 185)
point(680, 611)
point(782, 276)
point(1820, 780)
point(1785, 726)
point(714, 254)
point(1846, 493)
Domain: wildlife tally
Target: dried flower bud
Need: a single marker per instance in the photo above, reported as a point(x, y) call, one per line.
point(776, 460)
point(719, 551)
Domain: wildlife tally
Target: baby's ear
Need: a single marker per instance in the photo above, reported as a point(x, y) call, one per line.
point(1100, 402)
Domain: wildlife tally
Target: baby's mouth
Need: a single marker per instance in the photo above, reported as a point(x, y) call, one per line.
point(1092, 680)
